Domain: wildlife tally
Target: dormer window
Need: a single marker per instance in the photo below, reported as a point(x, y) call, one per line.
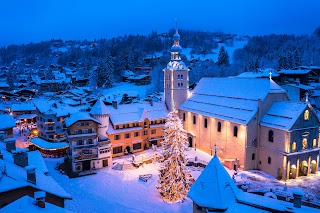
point(306, 115)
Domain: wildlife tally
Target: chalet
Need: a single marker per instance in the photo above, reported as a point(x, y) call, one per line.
point(302, 76)
point(87, 149)
point(23, 108)
point(6, 125)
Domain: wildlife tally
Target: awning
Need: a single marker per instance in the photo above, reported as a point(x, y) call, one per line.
point(43, 144)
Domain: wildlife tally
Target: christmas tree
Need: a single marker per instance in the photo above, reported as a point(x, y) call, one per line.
point(174, 179)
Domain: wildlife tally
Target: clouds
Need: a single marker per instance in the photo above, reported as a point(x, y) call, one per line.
point(34, 20)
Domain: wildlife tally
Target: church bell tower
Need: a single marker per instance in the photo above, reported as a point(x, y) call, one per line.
point(176, 78)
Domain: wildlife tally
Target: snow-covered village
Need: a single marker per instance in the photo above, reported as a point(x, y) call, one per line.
point(149, 110)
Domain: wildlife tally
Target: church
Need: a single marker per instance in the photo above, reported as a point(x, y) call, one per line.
point(252, 121)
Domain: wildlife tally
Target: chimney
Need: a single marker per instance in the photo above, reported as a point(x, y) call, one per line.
point(31, 174)
point(20, 158)
point(297, 197)
point(115, 104)
point(40, 199)
point(11, 145)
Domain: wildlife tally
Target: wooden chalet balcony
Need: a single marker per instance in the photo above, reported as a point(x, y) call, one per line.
point(86, 157)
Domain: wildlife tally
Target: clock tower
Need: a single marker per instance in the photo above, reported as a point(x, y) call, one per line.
point(176, 78)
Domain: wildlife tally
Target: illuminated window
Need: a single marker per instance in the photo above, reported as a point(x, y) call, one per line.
point(294, 147)
point(235, 131)
point(306, 115)
point(270, 136)
point(314, 143)
point(304, 143)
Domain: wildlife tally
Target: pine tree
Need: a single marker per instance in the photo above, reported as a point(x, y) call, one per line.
point(109, 66)
point(101, 73)
point(223, 58)
point(174, 179)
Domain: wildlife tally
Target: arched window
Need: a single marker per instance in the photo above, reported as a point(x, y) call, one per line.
point(167, 85)
point(269, 160)
point(294, 147)
point(178, 77)
point(205, 123)
point(181, 84)
point(270, 136)
point(306, 115)
point(194, 119)
point(253, 156)
point(219, 127)
point(304, 143)
point(314, 143)
point(168, 76)
point(235, 131)
point(178, 84)
point(181, 77)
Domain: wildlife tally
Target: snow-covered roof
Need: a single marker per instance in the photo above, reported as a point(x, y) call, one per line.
point(48, 145)
point(3, 84)
point(260, 74)
point(79, 116)
point(99, 108)
point(310, 67)
point(233, 99)
point(17, 178)
point(176, 65)
point(300, 86)
point(288, 72)
point(54, 108)
point(23, 107)
point(282, 115)
point(137, 112)
point(7, 121)
point(210, 189)
point(26, 116)
point(26, 204)
point(35, 159)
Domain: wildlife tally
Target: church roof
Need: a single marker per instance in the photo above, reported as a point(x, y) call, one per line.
point(233, 99)
point(214, 188)
point(283, 115)
point(99, 108)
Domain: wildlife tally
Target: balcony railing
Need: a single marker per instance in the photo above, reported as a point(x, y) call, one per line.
point(85, 146)
point(86, 156)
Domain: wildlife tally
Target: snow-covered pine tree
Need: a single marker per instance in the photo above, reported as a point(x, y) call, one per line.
point(223, 58)
point(101, 73)
point(109, 66)
point(174, 179)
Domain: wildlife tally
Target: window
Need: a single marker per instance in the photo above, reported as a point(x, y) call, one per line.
point(90, 141)
point(117, 137)
point(253, 156)
point(49, 120)
point(178, 77)
point(104, 150)
point(50, 128)
point(78, 124)
point(178, 84)
point(153, 131)
point(87, 151)
point(294, 147)
point(87, 123)
point(194, 120)
point(235, 131)
point(269, 160)
point(82, 123)
point(117, 126)
point(181, 84)
point(181, 77)
point(167, 85)
point(136, 146)
point(80, 143)
point(219, 127)
point(304, 143)
point(270, 136)
point(145, 132)
point(127, 135)
point(168, 76)
point(117, 150)
point(314, 143)
point(136, 134)
point(90, 123)
point(306, 115)
point(184, 116)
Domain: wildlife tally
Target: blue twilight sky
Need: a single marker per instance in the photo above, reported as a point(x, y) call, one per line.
point(23, 21)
